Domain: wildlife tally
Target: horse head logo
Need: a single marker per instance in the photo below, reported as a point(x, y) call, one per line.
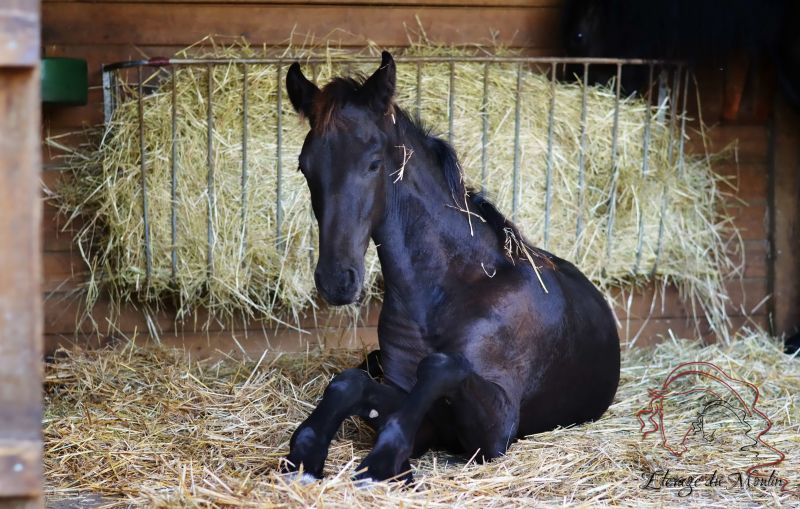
point(690, 398)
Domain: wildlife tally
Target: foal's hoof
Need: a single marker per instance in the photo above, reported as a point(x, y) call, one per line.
point(303, 478)
point(370, 471)
point(290, 470)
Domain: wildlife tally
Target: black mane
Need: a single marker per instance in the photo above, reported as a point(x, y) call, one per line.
point(508, 235)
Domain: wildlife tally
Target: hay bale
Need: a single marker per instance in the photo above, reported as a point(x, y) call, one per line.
point(259, 272)
point(150, 427)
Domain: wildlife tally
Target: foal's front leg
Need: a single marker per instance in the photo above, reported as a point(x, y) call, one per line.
point(352, 392)
point(438, 375)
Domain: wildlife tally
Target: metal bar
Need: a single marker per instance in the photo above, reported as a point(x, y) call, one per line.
point(548, 186)
point(244, 157)
point(451, 99)
point(647, 115)
point(148, 255)
point(612, 200)
point(161, 62)
point(279, 156)
point(664, 191)
point(108, 105)
point(682, 134)
point(210, 167)
point(174, 181)
point(645, 165)
point(419, 91)
point(517, 106)
point(485, 127)
point(582, 159)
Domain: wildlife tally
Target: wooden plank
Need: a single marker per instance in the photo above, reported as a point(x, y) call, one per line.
point(252, 344)
point(217, 345)
point(642, 333)
point(20, 255)
point(785, 232)
point(75, 117)
point(136, 23)
point(62, 270)
point(651, 303)
point(751, 141)
point(56, 235)
point(750, 180)
point(751, 220)
point(20, 466)
point(756, 262)
point(458, 3)
point(64, 313)
point(747, 297)
point(19, 33)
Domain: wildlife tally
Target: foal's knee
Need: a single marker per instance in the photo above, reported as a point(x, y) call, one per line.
point(348, 381)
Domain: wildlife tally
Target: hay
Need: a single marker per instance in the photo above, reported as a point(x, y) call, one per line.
point(150, 427)
point(257, 272)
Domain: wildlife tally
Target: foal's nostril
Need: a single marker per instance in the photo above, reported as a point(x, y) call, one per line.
point(337, 285)
point(350, 277)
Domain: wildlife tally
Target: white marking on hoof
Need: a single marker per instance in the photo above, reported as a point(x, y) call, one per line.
point(304, 479)
point(365, 483)
point(373, 413)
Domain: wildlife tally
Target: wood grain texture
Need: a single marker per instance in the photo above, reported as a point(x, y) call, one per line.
point(20, 467)
point(458, 3)
point(351, 25)
point(216, 344)
point(20, 255)
point(785, 233)
point(19, 33)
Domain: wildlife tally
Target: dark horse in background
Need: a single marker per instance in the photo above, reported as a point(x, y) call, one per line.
point(723, 33)
point(476, 349)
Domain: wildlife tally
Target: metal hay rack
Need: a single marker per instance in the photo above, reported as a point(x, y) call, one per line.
point(666, 83)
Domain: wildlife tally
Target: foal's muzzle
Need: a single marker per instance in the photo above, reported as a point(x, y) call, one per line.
point(338, 286)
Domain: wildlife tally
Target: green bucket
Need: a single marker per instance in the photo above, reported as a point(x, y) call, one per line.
point(64, 81)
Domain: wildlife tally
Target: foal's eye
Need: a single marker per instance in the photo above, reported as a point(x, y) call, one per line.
point(375, 165)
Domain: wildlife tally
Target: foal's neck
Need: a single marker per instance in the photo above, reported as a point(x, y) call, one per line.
point(430, 234)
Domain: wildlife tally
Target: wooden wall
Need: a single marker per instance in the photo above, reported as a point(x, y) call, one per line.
point(20, 299)
point(107, 31)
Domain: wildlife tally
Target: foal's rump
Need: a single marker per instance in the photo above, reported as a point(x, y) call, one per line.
point(579, 374)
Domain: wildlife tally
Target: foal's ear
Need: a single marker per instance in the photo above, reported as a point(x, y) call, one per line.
point(378, 90)
point(301, 91)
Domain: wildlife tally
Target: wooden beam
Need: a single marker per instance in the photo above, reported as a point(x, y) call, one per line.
point(351, 25)
point(784, 278)
point(457, 3)
point(20, 299)
point(19, 33)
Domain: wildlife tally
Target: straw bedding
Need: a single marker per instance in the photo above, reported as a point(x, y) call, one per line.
point(146, 426)
point(260, 272)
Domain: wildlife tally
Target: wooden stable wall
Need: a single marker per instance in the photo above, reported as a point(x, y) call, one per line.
point(20, 300)
point(107, 31)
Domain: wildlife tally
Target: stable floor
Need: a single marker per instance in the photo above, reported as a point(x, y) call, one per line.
point(151, 427)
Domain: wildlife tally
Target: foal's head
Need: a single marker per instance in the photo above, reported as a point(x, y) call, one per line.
point(344, 160)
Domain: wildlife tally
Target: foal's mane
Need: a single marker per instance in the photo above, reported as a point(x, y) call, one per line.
point(341, 91)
